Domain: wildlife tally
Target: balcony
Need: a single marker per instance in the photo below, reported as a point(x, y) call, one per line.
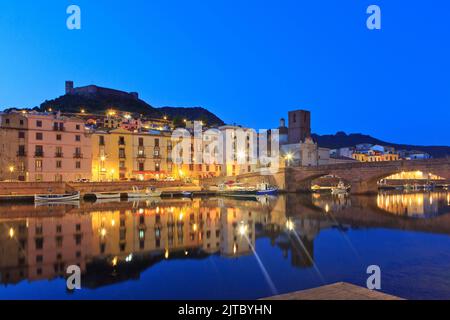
point(21, 154)
point(121, 143)
point(78, 155)
point(141, 156)
point(58, 154)
point(59, 129)
point(39, 154)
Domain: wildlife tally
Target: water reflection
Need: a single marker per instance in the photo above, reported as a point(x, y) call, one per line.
point(113, 242)
point(415, 204)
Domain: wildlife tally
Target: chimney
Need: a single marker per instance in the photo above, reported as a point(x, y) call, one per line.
point(282, 123)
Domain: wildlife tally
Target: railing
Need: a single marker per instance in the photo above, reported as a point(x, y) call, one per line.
point(59, 129)
point(58, 155)
point(21, 154)
point(141, 155)
point(121, 143)
point(78, 155)
point(39, 154)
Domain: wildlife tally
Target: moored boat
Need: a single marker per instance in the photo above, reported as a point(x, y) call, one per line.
point(143, 193)
point(57, 197)
point(341, 188)
point(107, 195)
point(265, 189)
point(238, 190)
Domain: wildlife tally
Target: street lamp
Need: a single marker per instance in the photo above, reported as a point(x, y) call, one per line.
point(288, 158)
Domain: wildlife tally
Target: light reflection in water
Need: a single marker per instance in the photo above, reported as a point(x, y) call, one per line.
point(414, 204)
point(115, 242)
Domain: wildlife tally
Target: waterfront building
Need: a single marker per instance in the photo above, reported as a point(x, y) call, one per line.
point(305, 153)
point(239, 150)
point(196, 156)
point(120, 154)
point(43, 147)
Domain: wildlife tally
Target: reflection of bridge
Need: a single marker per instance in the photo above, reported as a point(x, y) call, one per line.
point(363, 176)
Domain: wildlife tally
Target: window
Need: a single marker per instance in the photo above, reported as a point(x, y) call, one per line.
point(77, 137)
point(58, 137)
point(121, 140)
point(294, 118)
point(157, 167)
point(7, 121)
point(58, 152)
point(78, 165)
point(156, 142)
point(39, 242)
point(39, 123)
point(141, 142)
point(21, 135)
point(38, 164)
point(59, 228)
point(21, 152)
point(141, 166)
point(58, 164)
point(101, 140)
point(39, 136)
point(121, 153)
point(77, 127)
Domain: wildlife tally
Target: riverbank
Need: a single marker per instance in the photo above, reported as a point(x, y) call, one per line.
point(25, 191)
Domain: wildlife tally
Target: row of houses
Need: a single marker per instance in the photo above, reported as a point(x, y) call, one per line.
point(367, 152)
point(49, 146)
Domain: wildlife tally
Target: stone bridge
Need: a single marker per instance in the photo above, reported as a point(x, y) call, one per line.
point(363, 176)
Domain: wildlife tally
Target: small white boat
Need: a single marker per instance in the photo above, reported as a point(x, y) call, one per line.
point(340, 189)
point(57, 197)
point(107, 195)
point(147, 193)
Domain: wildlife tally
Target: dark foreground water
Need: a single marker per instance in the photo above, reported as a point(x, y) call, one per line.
point(219, 248)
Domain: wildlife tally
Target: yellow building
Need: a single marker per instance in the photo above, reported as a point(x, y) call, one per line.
point(375, 157)
point(120, 154)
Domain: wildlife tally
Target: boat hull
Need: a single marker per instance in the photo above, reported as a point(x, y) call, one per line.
point(268, 192)
point(57, 197)
point(107, 195)
point(143, 195)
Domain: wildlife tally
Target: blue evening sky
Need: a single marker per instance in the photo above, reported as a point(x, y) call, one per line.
point(247, 61)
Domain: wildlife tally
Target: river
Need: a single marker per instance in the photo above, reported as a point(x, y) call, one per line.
point(220, 248)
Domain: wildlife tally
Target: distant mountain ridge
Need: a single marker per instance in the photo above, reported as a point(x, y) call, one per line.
point(341, 139)
point(99, 102)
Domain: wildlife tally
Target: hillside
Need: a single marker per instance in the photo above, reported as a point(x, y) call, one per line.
point(341, 139)
point(99, 103)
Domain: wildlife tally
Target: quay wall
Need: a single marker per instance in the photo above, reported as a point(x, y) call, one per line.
point(31, 188)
